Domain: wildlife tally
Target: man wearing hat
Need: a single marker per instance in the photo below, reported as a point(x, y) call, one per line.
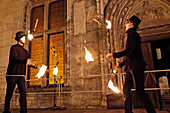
point(134, 66)
point(18, 59)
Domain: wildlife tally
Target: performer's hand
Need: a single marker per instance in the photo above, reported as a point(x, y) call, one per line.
point(30, 62)
point(109, 56)
point(38, 67)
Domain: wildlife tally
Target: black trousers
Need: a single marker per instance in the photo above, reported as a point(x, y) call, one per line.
point(11, 83)
point(136, 77)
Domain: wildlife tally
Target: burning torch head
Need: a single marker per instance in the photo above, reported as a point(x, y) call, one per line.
point(42, 71)
point(19, 35)
point(88, 55)
point(112, 87)
point(108, 24)
point(30, 36)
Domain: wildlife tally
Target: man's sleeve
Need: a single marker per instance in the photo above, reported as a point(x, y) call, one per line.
point(129, 50)
point(14, 52)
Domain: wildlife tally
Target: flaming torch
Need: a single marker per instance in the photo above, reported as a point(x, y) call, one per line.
point(116, 68)
point(30, 36)
point(41, 71)
point(108, 24)
point(55, 70)
point(112, 87)
point(88, 56)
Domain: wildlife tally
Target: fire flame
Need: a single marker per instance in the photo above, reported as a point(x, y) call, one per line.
point(41, 71)
point(30, 36)
point(88, 56)
point(112, 87)
point(108, 24)
point(55, 70)
point(114, 71)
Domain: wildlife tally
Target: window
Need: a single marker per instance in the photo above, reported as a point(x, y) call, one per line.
point(47, 47)
point(56, 15)
point(56, 54)
point(37, 13)
point(36, 55)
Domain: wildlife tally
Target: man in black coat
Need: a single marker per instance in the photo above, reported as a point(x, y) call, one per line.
point(18, 59)
point(134, 66)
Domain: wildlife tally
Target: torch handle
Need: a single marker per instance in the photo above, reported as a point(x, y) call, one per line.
point(36, 23)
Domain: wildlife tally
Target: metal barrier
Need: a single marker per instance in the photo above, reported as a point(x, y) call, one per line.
point(150, 72)
point(104, 80)
point(60, 85)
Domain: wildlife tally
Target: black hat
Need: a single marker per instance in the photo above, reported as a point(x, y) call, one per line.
point(136, 21)
point(19, 35)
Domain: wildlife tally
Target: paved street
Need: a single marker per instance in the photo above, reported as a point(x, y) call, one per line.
point(103, 110)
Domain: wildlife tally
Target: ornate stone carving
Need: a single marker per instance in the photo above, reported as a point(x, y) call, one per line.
point(152, 13)
point(146, 10)
point(118, 11)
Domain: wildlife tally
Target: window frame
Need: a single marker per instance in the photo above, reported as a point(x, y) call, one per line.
point(45, 34)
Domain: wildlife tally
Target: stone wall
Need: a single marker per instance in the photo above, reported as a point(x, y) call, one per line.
point(81, 32)
point(11, 20)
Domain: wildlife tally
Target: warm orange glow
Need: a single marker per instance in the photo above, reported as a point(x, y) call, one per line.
point(114, 71)
point(30, 36)
point(108, 24)
point(116, 68)
point(112, 87)
point(88, 55)
point(41, 71)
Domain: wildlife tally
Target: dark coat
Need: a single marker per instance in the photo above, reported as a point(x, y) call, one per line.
point(133, 52)
point(17, 60)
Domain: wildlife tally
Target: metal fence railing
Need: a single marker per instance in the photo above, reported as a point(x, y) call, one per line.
point(104, 79)
point(87, 84)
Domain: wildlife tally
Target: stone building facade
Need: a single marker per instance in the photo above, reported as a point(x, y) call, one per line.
point(84, 85)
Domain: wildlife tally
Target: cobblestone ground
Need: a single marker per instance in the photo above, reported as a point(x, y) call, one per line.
point(84, 111)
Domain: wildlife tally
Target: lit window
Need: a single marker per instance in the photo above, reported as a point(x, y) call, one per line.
point(54, 43)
